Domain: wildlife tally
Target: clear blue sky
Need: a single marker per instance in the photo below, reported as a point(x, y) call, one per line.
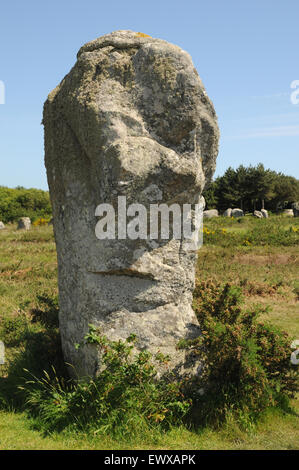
point(246, 53)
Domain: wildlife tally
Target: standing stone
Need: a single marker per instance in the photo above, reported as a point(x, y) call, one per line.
point(2, 353)
point(258, 214)
point(237, 213)
point(132, 118)
point(265, 213)
point(2, 226)
point(227, 213)
point(288, 213)
point(295, 207)
point(210, 213)
point(24, 223)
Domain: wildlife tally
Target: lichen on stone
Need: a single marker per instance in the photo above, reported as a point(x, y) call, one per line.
point(143, 35)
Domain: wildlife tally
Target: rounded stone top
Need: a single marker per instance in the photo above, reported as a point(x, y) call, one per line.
point(127, 84)
point(123, 39)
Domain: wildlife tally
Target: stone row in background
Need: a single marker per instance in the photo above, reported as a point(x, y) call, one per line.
point(228, 213)
point(262, 214)
point(24, 223)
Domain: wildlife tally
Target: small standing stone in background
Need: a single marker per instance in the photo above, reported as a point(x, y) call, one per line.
point(211, 213)
point(24, 223)
point(237, 213)
point(227, 213)
point(288, 213)
point(2, 226)
point(295, 207)
point(2, 353)
point(265, 213)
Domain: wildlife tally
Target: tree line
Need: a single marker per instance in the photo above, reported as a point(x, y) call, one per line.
point(249, 188)
point(252, 188)
point(21, 202)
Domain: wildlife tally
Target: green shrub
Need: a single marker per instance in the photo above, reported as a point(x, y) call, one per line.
point(21, 202)
point(247, 364)
point(244, 368)
point(125, 398)
point(13, 330)
point(250, 231)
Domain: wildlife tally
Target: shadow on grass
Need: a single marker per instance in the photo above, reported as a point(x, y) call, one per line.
point(36, 347)
point(41, 351)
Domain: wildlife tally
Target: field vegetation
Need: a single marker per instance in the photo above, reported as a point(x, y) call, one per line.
point(246, 299)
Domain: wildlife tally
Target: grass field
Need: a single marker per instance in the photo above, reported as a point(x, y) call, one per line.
point(261, 256)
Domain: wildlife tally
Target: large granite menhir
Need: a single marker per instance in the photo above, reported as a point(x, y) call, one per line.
point(131, 118)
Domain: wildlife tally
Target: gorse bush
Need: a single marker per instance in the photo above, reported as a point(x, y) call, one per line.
point(41, 221)
point(244, 368)
point(125, 398)
point(247, 365)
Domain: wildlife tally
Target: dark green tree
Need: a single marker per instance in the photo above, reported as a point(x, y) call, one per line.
point(251, 188)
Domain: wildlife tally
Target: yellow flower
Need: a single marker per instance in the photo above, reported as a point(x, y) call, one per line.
point(40, 221)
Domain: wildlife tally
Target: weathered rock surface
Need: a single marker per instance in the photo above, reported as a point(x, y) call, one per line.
point(2, 226)
point(237, 213)
point(258, 214)
point(265, 213)
point(210, 213)
point(132, 118)
point(24, 223)
point(2, 353)
point(288, 213)
point(227, 213)
point(295, 207)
